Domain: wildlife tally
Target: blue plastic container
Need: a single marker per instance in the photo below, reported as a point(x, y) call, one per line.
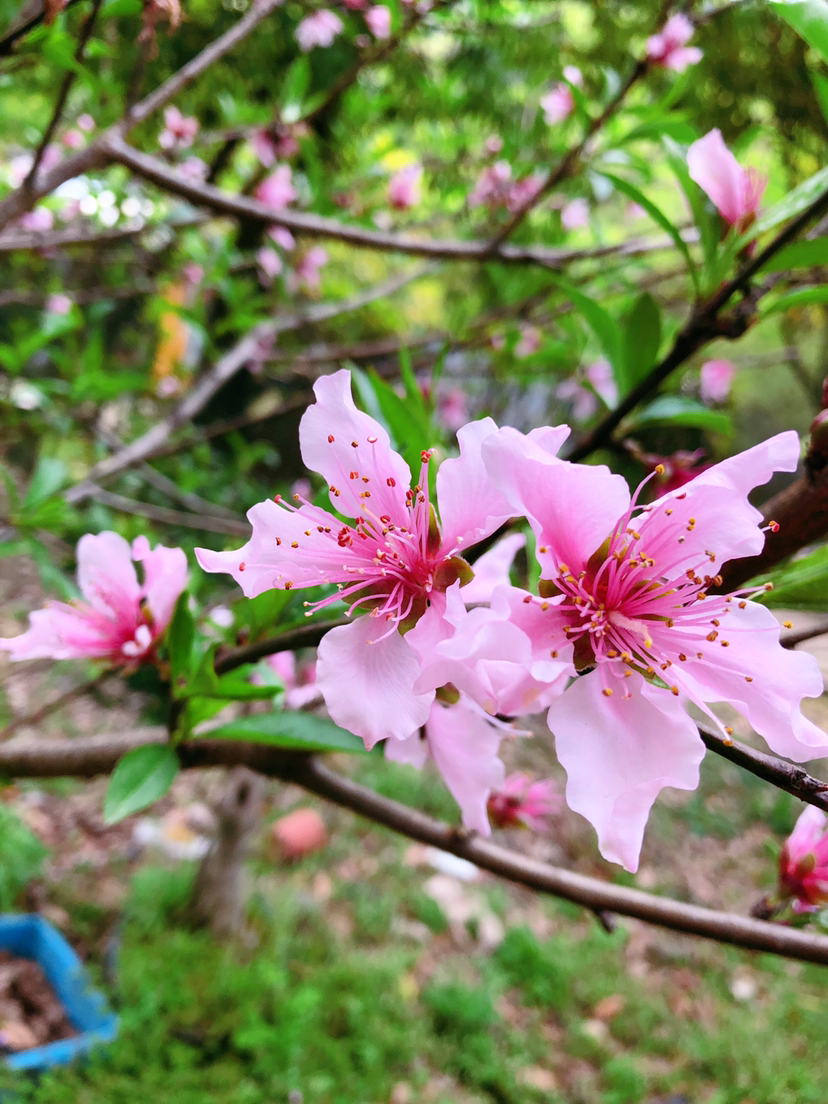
point(88, 1010)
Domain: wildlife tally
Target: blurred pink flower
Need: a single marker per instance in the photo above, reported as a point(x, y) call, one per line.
point(264, 148)
point(803, 862)
point(277, 190)
point(179, 130)
point(378, 19)
point(282, 237)
point(193, 168)
point(58, 304)
point(716, 380)
point(306, 273)
point(193, 273)
point(669, 48)
point(559, 102)
point(735, 191)
point(120, 619)
point(529, 342)
point(38, 220)
point(520, 802)
point(404, 187)
point(493, 144)
point(298, 679)
point(452, 407)
point(524, 191)
point(575, 214)
point(356, 5)
point(493, 186)
point(73, 139)
point(269, 263)
point(86, 122)
point(319, 28)
point(599, 374)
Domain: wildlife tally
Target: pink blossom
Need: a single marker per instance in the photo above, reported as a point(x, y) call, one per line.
point(669, 48)
point(264, 148)
point(575, 214)
point(306, 274)
point(179, 130)
point(803, 862)
point(193, 273)
point(674, 471)
point(599, 375)
point(493, 144)
point(452, 407)
point(58, 304)
point(628, 586)
point(493, 186)
point(73, 139)
point(463, 745)
point(298, 679)
point(378, 19)
point(580, 391)
point(529, 342)
point(716, 380)
point(193, 168)
point(38, 221)
point(269, 264)
point(319, 28)
point(277, 190)
point(735, 192)
point(355, 5)
point(86, 123)
point(120, 619)
point(404, 187)
point(520, 802)
point(282, 237)
point(524, 191)
point(559, 102)
point(395, 560)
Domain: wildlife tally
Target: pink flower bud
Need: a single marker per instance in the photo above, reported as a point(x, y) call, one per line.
point(803, 862)
point(716, 380)
point(404, 187)
point(522, 803)
point(735, 191)
point(318, 29)
point(378, 19)
point(669, 49)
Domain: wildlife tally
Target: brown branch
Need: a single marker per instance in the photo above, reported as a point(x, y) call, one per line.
point(38, 715)
point(246, 350)
point(204, 523)
point(568, 164)
point(791, 639)
point(63, 93)
point(86, 758)
point(703, 326)
point(96, 154)
point(305, 636)
point(318, 226)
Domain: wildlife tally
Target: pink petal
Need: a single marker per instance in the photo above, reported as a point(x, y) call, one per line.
point(719, 174)
point(807, 833)
point(571, 507)
point(336, 439)
point(781, 678)
point(165, 578)
point(367, 683)
point(619, 753)
point(106, 577)
point(413, 750)
point(63, 632)
point(464, 747)
point(492, 569)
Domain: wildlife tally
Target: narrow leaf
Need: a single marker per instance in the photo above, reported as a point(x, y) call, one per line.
point(302, 731)
point(678, 410)
point(809, 18)
point(802, 584)
point(141, 777)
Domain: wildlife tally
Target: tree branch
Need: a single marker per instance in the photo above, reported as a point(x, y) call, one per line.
point(86, 758)
point(703, 326)
point(786, 776)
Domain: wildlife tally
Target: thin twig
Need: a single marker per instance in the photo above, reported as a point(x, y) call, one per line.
point(703, 326)
point(38, 715)
point(245, 351)
point(791, 639)
point(204, 523)
point(305, 636)
point(786, 776)
point(63, 93)
point(86, 758)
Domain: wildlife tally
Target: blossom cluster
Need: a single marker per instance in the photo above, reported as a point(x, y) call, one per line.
point(627, 626)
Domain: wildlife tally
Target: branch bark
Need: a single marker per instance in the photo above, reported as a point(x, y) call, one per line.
point(87, 758)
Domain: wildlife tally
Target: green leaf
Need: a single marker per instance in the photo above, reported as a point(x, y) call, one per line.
point(788, 206)
point(295, 88)
point(603, 325)
point(302, 731)
point(141, 777)
point(809, 18)
point(641, 340)
point(234, 686)
point(49, 476)
point(802, 297)
point(802, 584)
point(682, 411)
point(804, 254)
point(181, 636)
point(658, 216)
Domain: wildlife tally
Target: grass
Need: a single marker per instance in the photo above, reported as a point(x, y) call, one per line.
point(356, 989)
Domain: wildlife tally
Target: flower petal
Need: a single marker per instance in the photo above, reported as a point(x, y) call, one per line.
point(165, 578)
point(464, 747)
point(367, 683)
point(619, 753)
point(64, 632)
point(719, 174)
point(107, 579)
point(492, 569)
point(413, 750)
point(336, 439)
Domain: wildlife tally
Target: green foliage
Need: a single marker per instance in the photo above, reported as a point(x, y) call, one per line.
point(302, 731)
point(801, 584)
point(141, 777)
point(21, 857)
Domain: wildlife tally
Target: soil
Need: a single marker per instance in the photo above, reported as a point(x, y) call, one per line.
point(31, 1014)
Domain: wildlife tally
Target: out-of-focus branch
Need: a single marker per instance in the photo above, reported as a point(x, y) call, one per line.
point(96, 154)
point(317, 226)
point(63, 92)
point(245, 351)
point(86, 758)
point(305, 636)
point(704, 325)
point(204, 523)
point(29, 720)
point(800, 636)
